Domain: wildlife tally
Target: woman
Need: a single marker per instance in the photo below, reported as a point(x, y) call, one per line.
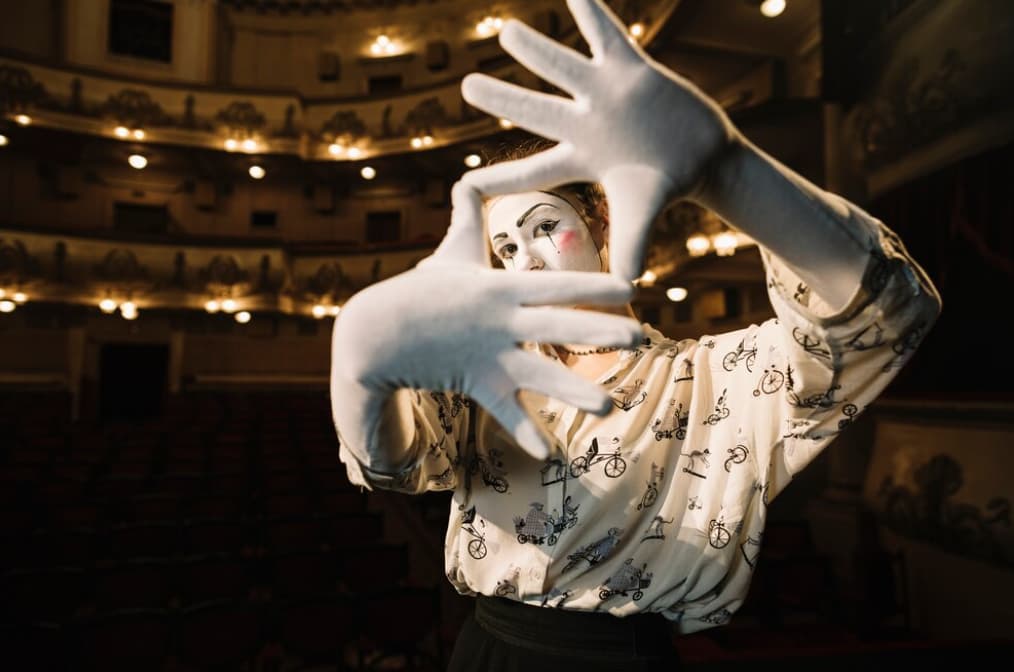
point(611, 484)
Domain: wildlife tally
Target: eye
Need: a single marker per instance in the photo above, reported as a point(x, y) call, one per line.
point(548, 225)
point(507, 251)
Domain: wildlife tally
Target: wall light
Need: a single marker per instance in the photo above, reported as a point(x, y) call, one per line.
point(698, 245)
point(368, 173)
point(242, 317)
point(489, 25)
point(676, 294)
point(383, 46)
point(772, 8)
point(107, 306)
point(23, 119)
point(7, 306)
point(256, 172)
point(137, 161)
point(473, 160)
point(724, 243)
point(3, 140)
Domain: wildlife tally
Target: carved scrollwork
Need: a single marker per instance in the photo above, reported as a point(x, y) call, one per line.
point(912, 111)
point(330, 281)
point(121, 266)
point(134, 109)
point(931, 509)
point(343, 126)
point(17, 266)
point(241, 118)
point(424, 117)
point(223, 275)
point(18, 89)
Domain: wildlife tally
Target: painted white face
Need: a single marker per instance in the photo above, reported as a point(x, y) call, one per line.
point(539, 231)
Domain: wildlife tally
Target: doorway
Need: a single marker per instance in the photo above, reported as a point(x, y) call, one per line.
point(133, 380)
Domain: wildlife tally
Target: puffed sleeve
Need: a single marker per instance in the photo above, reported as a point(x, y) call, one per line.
point(820, 367)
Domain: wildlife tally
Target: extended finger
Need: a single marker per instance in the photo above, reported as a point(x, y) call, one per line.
point(568, 325)
point(599, 26)
point(502, 404)
point(547, 169)
point(567, 288)
point(547, 58)
point(635, 195)
point(465, 241)
point(541, 113)
point(540, 374)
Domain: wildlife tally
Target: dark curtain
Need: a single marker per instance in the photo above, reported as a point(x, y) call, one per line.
point(958, 223)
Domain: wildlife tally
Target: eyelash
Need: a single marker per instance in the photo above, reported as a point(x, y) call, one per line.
point(545, 226)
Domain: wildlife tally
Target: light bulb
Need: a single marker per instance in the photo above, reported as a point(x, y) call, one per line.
point(242, 317)
point(772, 8)
point(368, 173)
point(676, 294)
point(137, 161)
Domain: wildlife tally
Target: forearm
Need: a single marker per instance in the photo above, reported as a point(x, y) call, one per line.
point(379, 433)
point(810, 229)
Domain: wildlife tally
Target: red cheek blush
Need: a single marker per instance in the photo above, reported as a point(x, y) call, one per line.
point(566, 240)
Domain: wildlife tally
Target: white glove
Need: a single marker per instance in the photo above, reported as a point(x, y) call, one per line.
point(648, 136)
point(455, 324)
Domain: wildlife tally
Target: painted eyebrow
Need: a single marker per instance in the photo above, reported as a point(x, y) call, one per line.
point(522, 218)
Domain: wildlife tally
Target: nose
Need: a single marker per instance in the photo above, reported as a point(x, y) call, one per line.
point(531, 263)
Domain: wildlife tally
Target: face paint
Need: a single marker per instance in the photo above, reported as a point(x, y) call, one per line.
point(536, 230)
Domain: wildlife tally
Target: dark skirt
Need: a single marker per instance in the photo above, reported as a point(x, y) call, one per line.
point(507, 636)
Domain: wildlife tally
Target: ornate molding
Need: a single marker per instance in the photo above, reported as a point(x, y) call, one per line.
point(343, 126)
point(424, 117)
point(914, 110)
point(223, 276)
point(121, 266)
point(18, 89)
point(17, 265)
point(241, 118)
point(929, 511)
point(134, 109)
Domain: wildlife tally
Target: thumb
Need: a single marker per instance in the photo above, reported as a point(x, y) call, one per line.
point(635, 195)
point(465, 241)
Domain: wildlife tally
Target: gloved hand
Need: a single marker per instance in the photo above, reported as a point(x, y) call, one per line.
point(453, 323)
point(648, 136)
point(643, 132)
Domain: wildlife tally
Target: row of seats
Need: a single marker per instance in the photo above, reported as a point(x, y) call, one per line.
point(351, 631)
point(86, 547)
point(57, 594)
